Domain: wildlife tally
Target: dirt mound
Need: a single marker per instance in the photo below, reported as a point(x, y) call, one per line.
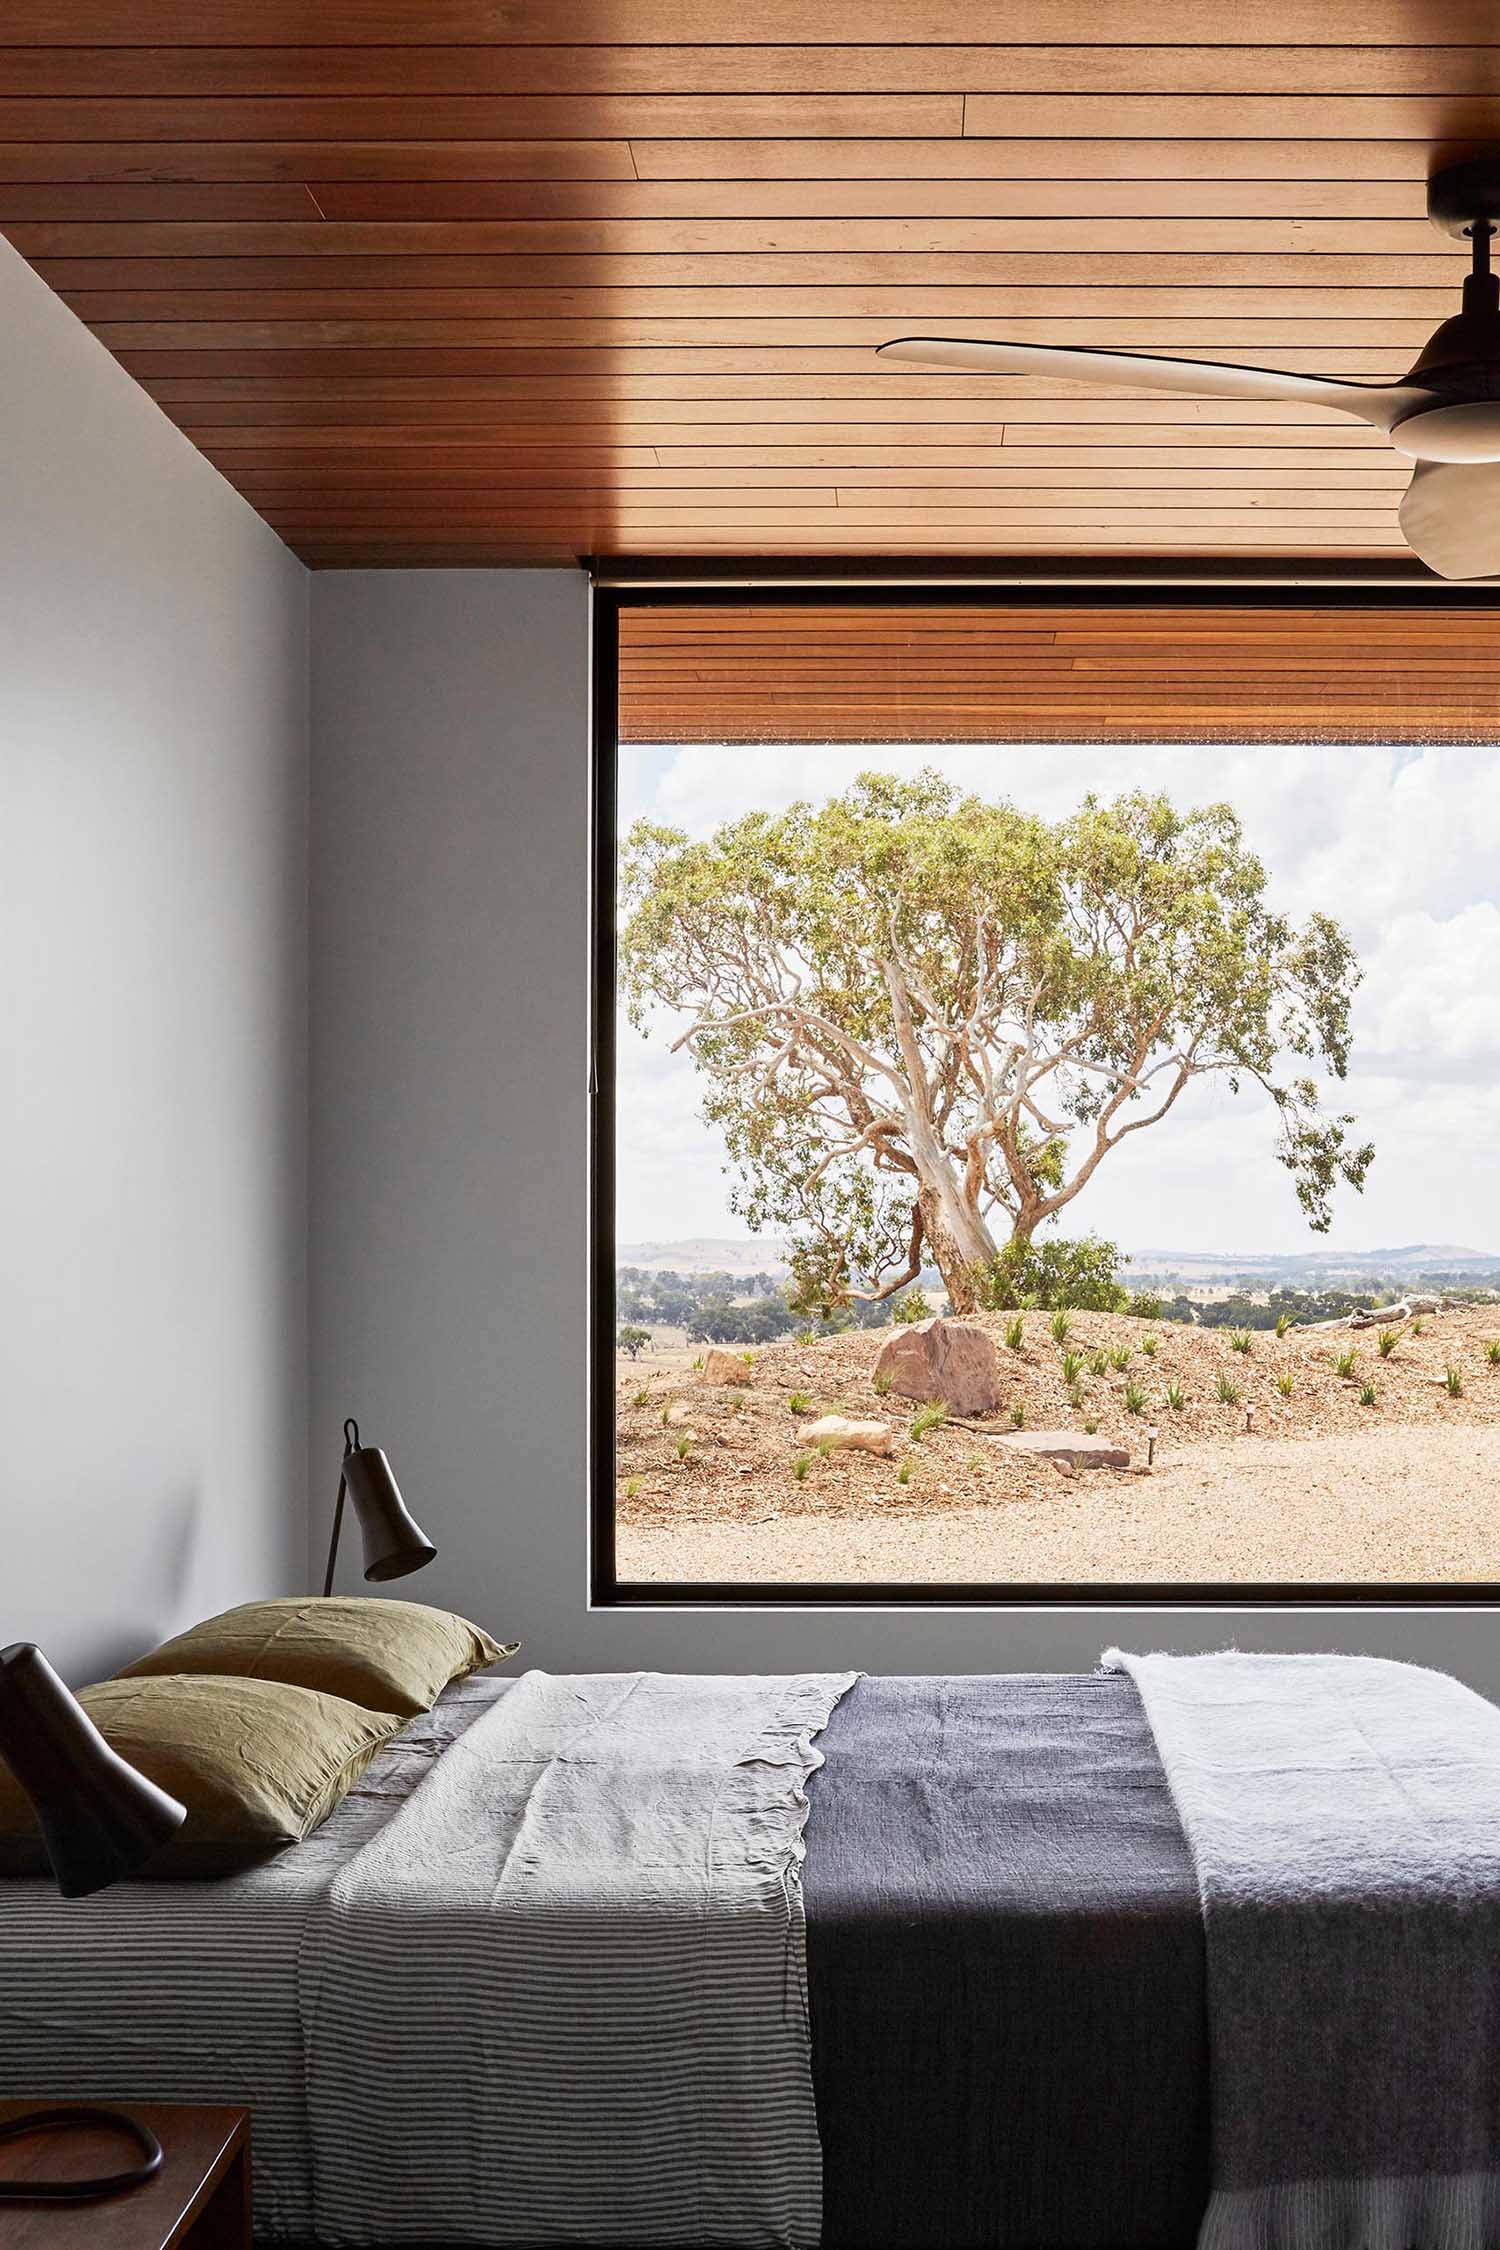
point(690, 1452)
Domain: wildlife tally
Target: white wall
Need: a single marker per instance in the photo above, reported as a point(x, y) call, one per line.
point(153, 784)
point(450, 1015)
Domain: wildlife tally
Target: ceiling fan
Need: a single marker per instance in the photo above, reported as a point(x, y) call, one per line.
point(1444, 414)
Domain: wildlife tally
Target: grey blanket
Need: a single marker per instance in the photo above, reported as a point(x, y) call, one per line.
point(1344, 1818)
point(561, 1997)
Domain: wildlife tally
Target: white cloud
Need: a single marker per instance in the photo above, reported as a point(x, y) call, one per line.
point(1403, 847)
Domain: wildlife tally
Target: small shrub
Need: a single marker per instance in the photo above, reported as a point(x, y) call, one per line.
point(1148, 1346)
point(1343, 1366)
point(632, 1487)
point(1120, 1358)
point(1386, 1341)
point(1242, 1342)
point(930, 1418)
point(698, 1362)
point(1061, 1327)
point(1082, 1275)
point(1453, 1382)
point(1229, 1393)
point(666, 1417)
point(1135, 1399)
point(642, 1396)
point(1147, 1306)
point(1099, 1364)
point(1367, 1394)
point(800, 1401)
point(736, 1404)
point(1091, 1426)
point(1072, 1368)
point(1419, 1325)
point(1286, 1382)
point(882, 1386)
point(1075, 1397)
point(825, 1447)
point(1492, 1351)
point(801, 1465)
point(1015, 1334)
point(748, 1358)
point(1283, 1323)
point(1174, 1397)
point(684, 1446)
point(1018, 1416)
point(913, 1306)
point(903, 1474)
point(805, 1336)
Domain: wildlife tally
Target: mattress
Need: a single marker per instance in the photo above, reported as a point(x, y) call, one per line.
point(1005, 1973)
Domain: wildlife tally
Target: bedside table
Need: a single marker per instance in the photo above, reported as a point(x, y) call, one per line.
point(199, 2200)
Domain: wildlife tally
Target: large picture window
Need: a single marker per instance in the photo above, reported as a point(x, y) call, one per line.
point(1032, 1167)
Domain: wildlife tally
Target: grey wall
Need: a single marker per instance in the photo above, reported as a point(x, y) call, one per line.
point(450, 988)
point(153, 786)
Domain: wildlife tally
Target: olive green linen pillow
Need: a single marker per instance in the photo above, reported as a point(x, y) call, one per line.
point(258, 1765)
point(388, 1655)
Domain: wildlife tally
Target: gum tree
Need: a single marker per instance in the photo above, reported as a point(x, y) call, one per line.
point(924, 1020)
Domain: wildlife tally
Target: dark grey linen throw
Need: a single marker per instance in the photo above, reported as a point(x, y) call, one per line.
point(1344, 1818)
point(1005, 1968)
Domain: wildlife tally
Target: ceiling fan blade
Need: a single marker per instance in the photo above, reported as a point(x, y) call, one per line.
point(1382, 404)
point(1450, 517)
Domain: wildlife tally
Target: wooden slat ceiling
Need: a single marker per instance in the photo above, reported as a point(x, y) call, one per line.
point(498, 281)
point(1056, 672)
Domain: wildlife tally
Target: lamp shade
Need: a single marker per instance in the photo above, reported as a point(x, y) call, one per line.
point(394, 1543)
point(100, 1819)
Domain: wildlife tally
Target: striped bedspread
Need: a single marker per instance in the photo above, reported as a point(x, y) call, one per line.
point(562, 1996)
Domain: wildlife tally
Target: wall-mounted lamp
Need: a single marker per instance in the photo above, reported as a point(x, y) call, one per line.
point(394, 1543)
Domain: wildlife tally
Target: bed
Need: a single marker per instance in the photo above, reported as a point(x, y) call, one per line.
point(1007, 1980)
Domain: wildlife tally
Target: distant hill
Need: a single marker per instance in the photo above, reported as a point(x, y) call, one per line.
point(705, 1254)
point(1306, 1269)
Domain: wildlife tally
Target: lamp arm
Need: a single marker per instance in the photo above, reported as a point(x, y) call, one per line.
point(333, 1544)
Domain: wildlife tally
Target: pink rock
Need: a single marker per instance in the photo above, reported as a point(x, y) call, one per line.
point(720, 1366)
point(942, 1359)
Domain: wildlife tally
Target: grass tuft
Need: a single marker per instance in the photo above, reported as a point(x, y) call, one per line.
point(1072, 1368)
point(930, 1418)
point(1175, 1398)
point(1062, 1328)
point(903, 1474)
point(1283, 1323)
point(882, 1386)
point(1229, 1393)
point(1242, 1342)
point(1149, 1346)
point(1343, 1366)
point(1120, 1358)
point(800, 1401)
point(1135, 1399)
point(642, 1396)
point(801, 1465)
point(1386, 1341)
point(1453, 1382)
point(1367, 1394)
point(1015, 1334)
point(1018, 1416)
point(1286, 1382)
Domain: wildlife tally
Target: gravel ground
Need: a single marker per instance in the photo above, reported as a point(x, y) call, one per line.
point(1418, 1503)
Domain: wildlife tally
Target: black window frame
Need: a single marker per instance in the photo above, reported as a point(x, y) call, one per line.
point(607, 1590)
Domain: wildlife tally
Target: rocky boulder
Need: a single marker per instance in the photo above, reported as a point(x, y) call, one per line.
point(841, 1435)
point(942, 1359)
point(720, 1366)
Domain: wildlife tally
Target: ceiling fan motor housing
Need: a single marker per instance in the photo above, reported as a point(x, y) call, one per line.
point(1460, 362)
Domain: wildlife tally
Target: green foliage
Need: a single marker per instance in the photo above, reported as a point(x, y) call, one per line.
point(642, 1396)
point(1061, 1327)
point(1283, 1323)
point(1367, 1394)
point(1241, 1342)
point(912, 1307)
point(666, 1416)
point(632, 1487)
point(1018, 1416)
point(1120, 1358)
point(1386, 1341)
point(1075, 1397)
point(882, 1386)
point(1453, 1382)
point(837, 969)
point(684, 1446)
point(1079, 1276)
point(1229, 1393)
point(1492, 1351)
point(1286, 1382)
point(1147, 1305)
point(1072, 1368)
point(903, 1474)
point(698, 1362)
point(1015, 1335)
point(1343, 1365)
point(801, 1465)
point(1419, 1325)
point(1135, 1399)
point(631, 1339)
point(799, 1402)
point(1099, 1364)
point(1091, 1426)
point(1174, 1397)
point(928, 1418)
point(1149, 1346)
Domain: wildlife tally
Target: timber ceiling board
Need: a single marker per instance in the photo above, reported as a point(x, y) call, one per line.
point(1063, 672)
point(500, 281)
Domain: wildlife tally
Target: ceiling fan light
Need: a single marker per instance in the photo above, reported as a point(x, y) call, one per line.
point(1468, 430)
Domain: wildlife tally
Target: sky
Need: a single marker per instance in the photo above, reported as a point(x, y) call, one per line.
point(1401, 845)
